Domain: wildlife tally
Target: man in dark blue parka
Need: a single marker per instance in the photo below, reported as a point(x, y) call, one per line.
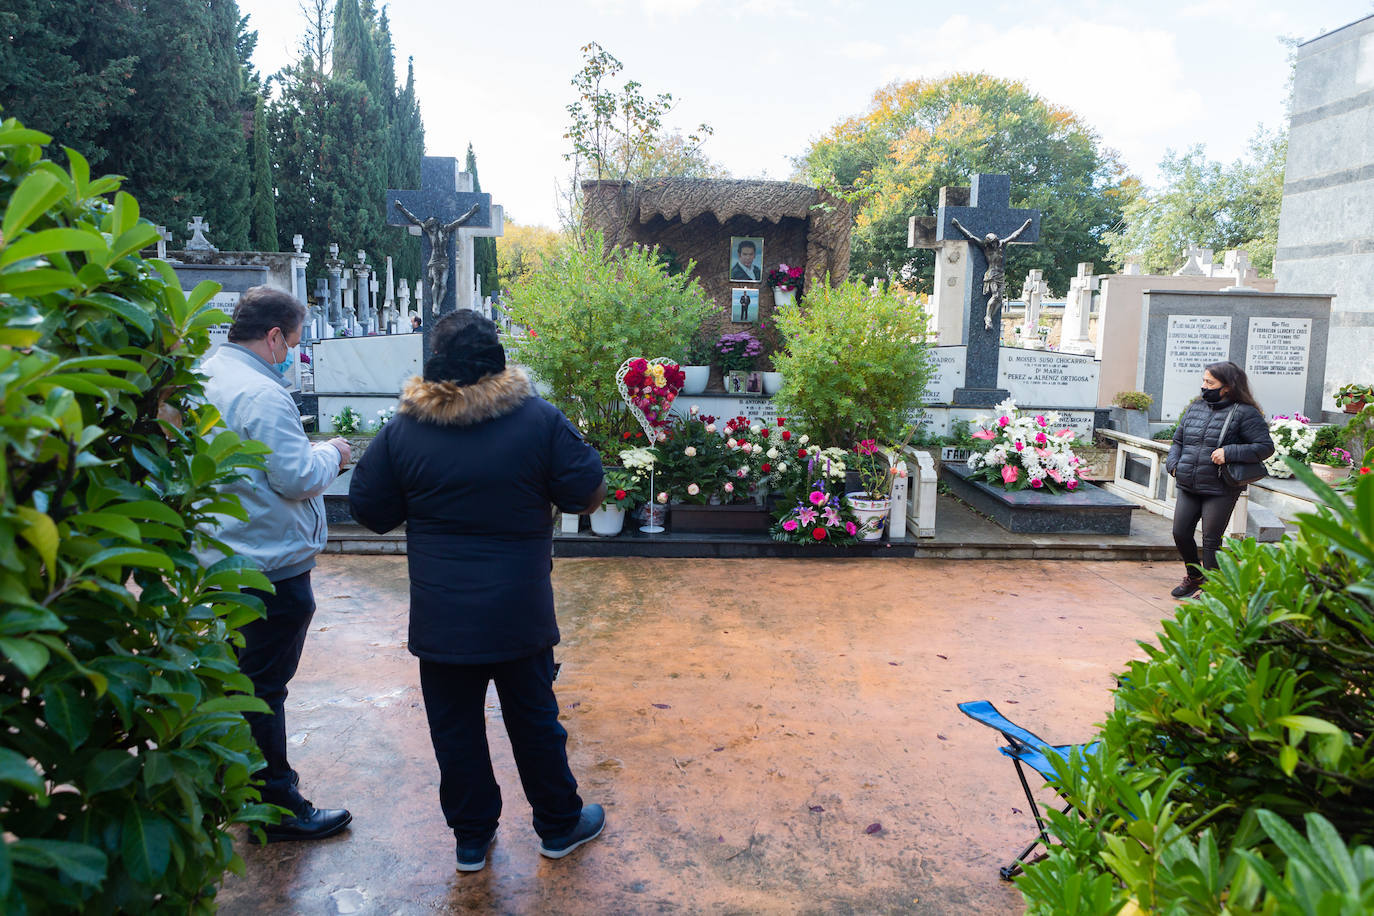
point(471, 463)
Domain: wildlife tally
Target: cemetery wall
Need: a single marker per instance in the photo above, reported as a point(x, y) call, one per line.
point(1326, 225)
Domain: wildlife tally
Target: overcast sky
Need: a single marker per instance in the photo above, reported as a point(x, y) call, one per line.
point(770, 75)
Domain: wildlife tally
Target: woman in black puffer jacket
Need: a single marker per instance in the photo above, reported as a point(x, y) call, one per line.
point(1195, 461)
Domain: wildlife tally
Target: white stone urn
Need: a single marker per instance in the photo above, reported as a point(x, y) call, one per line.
point(783, 297)
point(772, 382)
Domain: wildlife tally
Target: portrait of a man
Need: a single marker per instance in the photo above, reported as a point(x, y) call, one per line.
point(746, 259)
point(744, 305)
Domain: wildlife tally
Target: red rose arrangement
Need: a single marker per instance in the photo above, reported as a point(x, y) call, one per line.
point(652, 388)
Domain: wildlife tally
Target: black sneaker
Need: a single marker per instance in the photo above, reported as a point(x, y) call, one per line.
point(473, 856)
point(589, 827)
point(1187, 588)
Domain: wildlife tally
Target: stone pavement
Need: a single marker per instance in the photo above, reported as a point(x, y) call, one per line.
point(768, 736)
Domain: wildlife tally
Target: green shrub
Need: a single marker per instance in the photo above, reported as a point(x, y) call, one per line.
point(1133, 400)
point(855, 363)
point(1253, 713)
point(125, 754)
point(591, 309)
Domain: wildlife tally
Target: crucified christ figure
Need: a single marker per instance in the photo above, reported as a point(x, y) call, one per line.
point(995, 278)
point(438, 235)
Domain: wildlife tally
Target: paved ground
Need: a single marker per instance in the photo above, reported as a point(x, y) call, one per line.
point(745, 722)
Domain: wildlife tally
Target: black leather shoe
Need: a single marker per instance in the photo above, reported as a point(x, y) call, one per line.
point(314, 824)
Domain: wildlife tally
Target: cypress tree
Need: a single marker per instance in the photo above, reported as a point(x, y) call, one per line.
point(406, 148)
point(483, 249)
point(264, 204)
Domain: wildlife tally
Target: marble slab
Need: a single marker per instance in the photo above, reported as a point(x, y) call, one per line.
point(1277, 353)
point(1087, 510)
point(378, 365)
point(1192, 342)
point(1047, 378)
point(948, 375)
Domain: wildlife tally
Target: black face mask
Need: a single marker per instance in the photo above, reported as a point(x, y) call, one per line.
point(1211, 395)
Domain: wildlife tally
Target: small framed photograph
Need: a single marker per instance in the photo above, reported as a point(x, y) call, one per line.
point(746, 258)
point(744, 305)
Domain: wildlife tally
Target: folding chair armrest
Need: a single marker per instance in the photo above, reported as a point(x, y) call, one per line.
point(984, 712)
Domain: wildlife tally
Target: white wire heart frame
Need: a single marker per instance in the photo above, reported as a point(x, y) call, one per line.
point(650, 430)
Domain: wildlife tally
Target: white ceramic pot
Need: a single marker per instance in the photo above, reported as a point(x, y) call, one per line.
point(784, 296)
point(695, 378)
point(871, 514)
point(772, 381)
point(607, 521)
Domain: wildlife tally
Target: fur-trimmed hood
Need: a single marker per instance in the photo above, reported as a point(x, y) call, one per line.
point(464, 405)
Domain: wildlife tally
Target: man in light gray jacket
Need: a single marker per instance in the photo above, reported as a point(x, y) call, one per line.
point(284, 531)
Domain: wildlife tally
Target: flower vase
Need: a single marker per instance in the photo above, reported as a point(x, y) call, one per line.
point(783, 296)
point(607, 521)
point(695, 378)
point(1329, 473)
point(772, 382)
point(871, 514)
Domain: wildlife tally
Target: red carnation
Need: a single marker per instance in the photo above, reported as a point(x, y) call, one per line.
point(640, 363)
point(764, 432)
point(781, 420)
point(818, 533)
point(801, 453)
point(619, 494)
point(1364, 470)
point(786, 434)
point(767, 467)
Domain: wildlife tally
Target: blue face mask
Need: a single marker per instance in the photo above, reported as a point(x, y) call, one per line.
point(285, 364)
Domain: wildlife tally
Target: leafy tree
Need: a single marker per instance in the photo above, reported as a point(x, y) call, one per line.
point(1251, 714)
point(126, 756)
point(483, 249)
point(1208, 204)
point(406, 135)
point(587, 309)
point(264, 203)
point(615, 133)
point(523, 250)
point(891, 161)
point(156, 91)
point(676, 155)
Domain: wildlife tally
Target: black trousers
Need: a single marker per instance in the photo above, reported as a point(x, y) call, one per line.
point(1214, 510)
point(455, 697)
point(270, 655)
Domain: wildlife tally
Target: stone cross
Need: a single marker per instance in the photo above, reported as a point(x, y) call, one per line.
point(1074, 336)
point(990, 213)
point(445, 196)
point(467, 262)
point(198, 227)
point(403, 303)
point(947, 293)
point(1033, 291)
point(298, 243)
point(321, 309)
point(1237, 264)
point(163, 237)
point(1198, 263)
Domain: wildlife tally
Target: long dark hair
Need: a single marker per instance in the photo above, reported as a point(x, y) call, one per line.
point(1233, 377)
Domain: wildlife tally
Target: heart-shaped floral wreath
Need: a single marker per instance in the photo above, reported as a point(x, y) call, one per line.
point(649, 387)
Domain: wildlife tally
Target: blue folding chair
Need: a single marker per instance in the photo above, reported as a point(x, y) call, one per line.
point(1023, 747)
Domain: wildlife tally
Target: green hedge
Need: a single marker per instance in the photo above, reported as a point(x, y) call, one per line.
point(125, 755)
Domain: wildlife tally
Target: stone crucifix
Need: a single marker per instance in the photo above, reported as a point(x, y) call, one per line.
point(438, 235)
point(989, 224)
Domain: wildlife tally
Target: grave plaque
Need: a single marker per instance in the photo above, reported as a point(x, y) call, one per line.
point(948, 365)
point(1192, 343)
point(1276, 357)
point(1048, 379)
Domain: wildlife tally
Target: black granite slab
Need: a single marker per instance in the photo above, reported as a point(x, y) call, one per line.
point(1087, 510)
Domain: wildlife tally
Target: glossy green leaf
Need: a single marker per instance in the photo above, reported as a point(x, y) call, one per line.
point(48, 241)
point(28, 656)
point(40, 531)
point(67, 712)
point(134, 314)
point(16, 771)
point(147, 844)
point(34, 195)
point(75, 862)
point(111, 770)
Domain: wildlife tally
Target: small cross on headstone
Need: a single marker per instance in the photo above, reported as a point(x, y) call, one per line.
point(163, 237)
point(988, 224)
point(199, 242)
point(1237, 264)
point(298, 243)
point(1073, 335)
point(1198, 263)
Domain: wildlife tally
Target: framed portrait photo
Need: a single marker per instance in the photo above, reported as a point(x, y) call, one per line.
point(746, 258)
point(744, 305)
